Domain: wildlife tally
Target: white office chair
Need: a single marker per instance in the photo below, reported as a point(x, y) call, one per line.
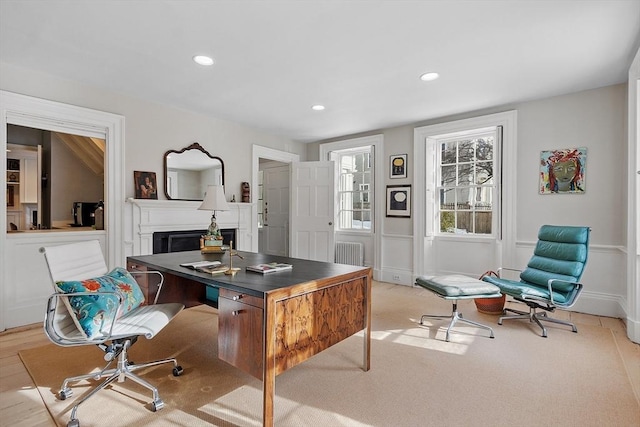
point(75, 264)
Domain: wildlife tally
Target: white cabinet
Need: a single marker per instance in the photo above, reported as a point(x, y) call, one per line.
point(29, 176)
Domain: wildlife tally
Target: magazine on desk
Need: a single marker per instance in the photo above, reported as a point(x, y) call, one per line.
point(269, 267)
point(205, 266)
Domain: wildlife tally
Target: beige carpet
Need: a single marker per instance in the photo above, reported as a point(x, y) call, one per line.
point(416, 379)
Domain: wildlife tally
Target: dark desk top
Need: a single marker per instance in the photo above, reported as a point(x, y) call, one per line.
point(256, 284)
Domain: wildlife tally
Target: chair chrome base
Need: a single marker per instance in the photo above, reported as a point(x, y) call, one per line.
point(123, 370)
point(534, 316)
point(456, 316)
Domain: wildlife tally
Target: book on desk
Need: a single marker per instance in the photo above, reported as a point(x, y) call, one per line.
point(271, 267)
point(206, 266)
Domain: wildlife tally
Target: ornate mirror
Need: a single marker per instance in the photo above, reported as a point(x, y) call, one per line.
point(188, 172)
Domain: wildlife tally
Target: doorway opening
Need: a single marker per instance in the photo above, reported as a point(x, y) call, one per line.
point(271, 225)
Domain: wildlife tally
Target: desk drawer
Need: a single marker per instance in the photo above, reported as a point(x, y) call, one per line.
point(243, 298)
point(240, 333)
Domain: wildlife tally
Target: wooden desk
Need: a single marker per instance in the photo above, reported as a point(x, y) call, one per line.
point(272, 322)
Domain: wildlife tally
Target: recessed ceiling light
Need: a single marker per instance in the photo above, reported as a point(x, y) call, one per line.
point(427, 77)
point(203, 60)
point(318, 107)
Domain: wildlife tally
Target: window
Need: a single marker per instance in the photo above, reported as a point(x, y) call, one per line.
point(355, 188)
point(466, 183)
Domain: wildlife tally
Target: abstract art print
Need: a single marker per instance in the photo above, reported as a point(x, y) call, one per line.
point(563, 171)
point(399, 201)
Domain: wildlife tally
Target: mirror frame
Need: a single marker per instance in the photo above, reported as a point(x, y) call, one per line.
point(194, 146)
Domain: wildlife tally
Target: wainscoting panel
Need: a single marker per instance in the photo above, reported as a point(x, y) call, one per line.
point(397, 260)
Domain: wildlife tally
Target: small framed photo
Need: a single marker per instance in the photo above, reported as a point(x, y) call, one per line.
point(146, 186)
point(399, 201)
point(398, 166)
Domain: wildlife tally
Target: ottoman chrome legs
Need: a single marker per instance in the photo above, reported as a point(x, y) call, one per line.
point(455, 317)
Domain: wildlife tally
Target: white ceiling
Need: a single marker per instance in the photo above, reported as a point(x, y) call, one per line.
point(361, 59)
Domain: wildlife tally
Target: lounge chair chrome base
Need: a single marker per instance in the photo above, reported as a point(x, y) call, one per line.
point(123, 370)
point(536, 317)
point(456, 316)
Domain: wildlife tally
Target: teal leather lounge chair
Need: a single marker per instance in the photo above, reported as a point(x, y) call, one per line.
point(551, 279)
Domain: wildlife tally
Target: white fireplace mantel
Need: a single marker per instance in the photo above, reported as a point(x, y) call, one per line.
point(150, 216)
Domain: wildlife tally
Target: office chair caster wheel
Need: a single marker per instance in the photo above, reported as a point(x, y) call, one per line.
point(156, 405)
point(73, 423)
point(177, 371)
point(65, 393)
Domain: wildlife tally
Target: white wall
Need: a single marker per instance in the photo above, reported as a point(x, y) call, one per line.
point(595, 119)
point(151, 129)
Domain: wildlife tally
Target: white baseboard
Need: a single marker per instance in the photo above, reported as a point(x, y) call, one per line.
point(600, 304)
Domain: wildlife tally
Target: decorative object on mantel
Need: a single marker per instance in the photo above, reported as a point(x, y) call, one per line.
point(246, 192)
point(563, 171)
point(214, 200)
point(145, 184)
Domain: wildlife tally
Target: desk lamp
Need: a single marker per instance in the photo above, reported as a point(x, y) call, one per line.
point(214, 200)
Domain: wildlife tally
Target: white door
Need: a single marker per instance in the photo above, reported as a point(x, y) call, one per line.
point(312, 211)
point(276, 210)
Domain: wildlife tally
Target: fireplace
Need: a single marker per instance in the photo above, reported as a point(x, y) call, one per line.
point(185, 240)
point(172, 218)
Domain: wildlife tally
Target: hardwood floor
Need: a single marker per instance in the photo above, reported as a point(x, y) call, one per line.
point(21, 404)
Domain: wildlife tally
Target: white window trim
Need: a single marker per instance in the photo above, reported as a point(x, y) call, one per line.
point(423, 221)
point(337, 156)
point(435, 187)
point(43, 114)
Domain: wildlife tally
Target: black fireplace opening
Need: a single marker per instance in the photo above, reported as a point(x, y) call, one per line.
point(186, 240)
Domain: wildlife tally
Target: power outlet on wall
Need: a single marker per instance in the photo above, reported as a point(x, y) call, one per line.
point(396, 277)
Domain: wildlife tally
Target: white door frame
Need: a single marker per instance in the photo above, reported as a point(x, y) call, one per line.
point(377, 141)
point(259, 152)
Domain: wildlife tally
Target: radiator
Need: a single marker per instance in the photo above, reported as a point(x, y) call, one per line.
point(350, 253)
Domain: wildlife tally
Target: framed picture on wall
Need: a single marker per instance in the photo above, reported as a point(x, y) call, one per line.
point(398, 166)
point(563, 171)
point(146, 186)
point(399, 201)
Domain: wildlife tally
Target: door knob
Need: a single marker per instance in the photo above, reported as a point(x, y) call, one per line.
point(330, 223)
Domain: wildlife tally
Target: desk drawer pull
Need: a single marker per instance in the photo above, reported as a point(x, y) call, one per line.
point(236, 312)
point(237, 297)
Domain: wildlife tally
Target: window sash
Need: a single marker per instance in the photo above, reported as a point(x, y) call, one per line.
point(355, 189)
point(466, 185)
